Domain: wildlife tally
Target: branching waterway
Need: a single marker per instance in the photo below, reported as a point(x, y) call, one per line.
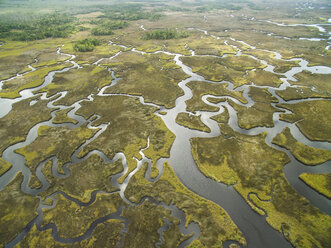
point(254, 227)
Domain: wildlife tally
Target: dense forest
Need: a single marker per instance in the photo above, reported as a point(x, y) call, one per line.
point(164, 34)
point(34, 25)
point(37, 27)
point(106, 27)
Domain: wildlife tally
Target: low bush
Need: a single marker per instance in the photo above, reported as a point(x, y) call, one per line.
point(86, 45)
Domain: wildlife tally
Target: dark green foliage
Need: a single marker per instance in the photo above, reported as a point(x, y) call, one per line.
point(106, 27)
point(86, 45)
point(102, 31)
point(164, 35)
point(37, 27)
point(112, 24)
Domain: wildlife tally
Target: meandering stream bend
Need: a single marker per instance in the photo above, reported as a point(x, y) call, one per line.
point(254, 227)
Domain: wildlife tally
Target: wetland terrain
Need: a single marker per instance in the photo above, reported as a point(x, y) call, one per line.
point(165, 123)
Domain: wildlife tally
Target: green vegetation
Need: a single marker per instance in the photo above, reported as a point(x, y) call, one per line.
point(231, 68)
point(315, 81)
point(263, 78)
point(215, 224)
point(106, 234)
point(257, 168)
point(164, 35)
point(16, 56)
point(32, 31)
point(112, 24)
point(11, 88)
point(145, 222)
point(49, 58)
point(85, 177)
point(86, 45)
point(79, 83)
point(37, 27)
point(191, 121)
point(223, 117)
point(206, 45)
point(131, 37)
point(281, 66)
point(153, 76)
point(4, 166)
point(291, 93)
point(106, 27)
point(202, 88)
point(73, 220)
point(13, 129)
point(288, 48)
point(61, 117)
point(99, 31)
point(311, 117)
point(305, 154)
point(320, 182)
point(12, 65)
point(17, 210)
point(90, 57)
point(258, 115)
point(55, 141)
point(221, 152)
point(127, 132)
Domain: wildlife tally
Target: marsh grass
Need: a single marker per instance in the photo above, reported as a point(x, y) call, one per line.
point(55, 141)
point(202, 88)
point(192, 122)
point(4, 166)
point(214, 222)
point(259, 170)
point(305, 154)
point(319, 182)
point(86, 177)
point(13, 216)
point(131, 124)
point(312, 118)
point(153, 76)
point(13, 129)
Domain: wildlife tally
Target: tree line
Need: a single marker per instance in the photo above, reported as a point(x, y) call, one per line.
point(164, 34)
point(29, 28)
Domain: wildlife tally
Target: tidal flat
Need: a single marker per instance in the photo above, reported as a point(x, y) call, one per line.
point(165, 124)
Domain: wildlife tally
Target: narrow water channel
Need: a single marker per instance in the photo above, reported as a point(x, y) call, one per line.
point(254, 227)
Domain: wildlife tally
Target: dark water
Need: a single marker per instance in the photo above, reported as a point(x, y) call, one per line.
point(254, 227)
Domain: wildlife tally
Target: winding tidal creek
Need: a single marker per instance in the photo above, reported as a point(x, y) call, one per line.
point(257, 232)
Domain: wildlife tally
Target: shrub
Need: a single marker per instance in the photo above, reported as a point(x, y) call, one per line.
point(85, 45)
